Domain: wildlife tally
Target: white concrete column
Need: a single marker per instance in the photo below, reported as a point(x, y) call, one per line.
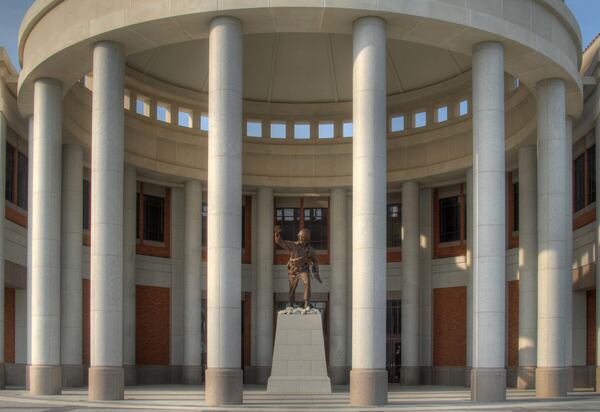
point(409, 373)
point(177, 283)
point(106, 374)
point(469, 258)
point(224, 277)
point(551, 374)
point(426, 300)
point(488, 376)
point(264, 284)
point(29, 232)
point(45, 372)
point(2, 203)
point(597, 137)
point(368, 378)
point(528, 264)
point(71, 251)
point(569, 251)
point(338, 298)
point(129, 253)
point(192, 285)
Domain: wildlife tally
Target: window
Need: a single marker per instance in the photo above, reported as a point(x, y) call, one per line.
point(315, 220)
point(393, 318)
point(326, 131)
point(441, 114)
point(142, 105)
point(163, 112)
point(22, 182)
point(591, 178)
point(86, 205)
point(10, 173)
point(450, 219)
point(515, 207)
point(154, 218)
point(397, 124)
point(204, 122)
point(301, 130)
point(420, 119)
point(463, 107)
point(278, 130)
point(579, 183)
point(288, 220)
point(394, 225)
point(185, 117)
point(347, 129)
point(254, 128)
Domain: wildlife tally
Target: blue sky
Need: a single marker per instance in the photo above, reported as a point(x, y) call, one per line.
point(587, 13)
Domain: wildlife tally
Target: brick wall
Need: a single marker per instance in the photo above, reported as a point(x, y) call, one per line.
point(591, 327)
point(152, 325)
point(450, 326)
point(85, 296)
point(9, 325)
point(512, 311)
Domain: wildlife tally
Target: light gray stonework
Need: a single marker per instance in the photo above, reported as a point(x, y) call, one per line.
point(299, 365)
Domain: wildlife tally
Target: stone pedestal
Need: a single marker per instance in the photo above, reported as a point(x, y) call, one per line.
point(299, 365)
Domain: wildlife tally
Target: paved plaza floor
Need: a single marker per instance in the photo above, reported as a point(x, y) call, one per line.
point(191, 398)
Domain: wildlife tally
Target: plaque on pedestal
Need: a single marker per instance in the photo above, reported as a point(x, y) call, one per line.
point(299, 365)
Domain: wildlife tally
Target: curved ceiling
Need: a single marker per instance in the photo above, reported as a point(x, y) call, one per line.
point(301, 68)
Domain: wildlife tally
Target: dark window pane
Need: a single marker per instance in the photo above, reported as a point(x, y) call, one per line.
point(154, 218)
point(394, 225)
point(578, 184)
point(22, 182)
point(450, 219)
point(315, 220)
point(243, 227)
point(591, 174)
point(204, 223)
point(515, 206)
point(10, 173)
point(393, 317)
point(288, 220)
point(86, 206)
point(137, 215)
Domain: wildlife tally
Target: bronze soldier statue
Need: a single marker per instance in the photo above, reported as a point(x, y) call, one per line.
point(303, 262)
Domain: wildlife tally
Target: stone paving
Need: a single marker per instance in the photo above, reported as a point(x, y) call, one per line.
point(191, 398)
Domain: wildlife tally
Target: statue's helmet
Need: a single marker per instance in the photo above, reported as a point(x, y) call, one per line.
point(305, 233)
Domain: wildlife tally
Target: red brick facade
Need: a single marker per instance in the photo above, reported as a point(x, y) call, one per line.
point(512, 311)
point(450, 326)
point(152, 325)
point(9, 325)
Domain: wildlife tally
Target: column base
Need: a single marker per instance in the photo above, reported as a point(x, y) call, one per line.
point(551, 382)
point(130, 375)
point(488, 384)
point(261, 374)
point(339, 375)
point(2, 376)
point(526, 377)
point(72, 376)
point(426, 375)
point(409, 375)
point(106, 383)
point(368, 387)
point(45, 379)
point(27, 377)
point(223, 386)
point(468, 370)
point(192, 375)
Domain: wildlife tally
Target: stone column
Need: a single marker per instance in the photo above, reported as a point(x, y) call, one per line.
point(569, 251)
point(224, 278)
point(338, 324)
point(106, 374)
point(2, 205)
point(177, 283)
point(129, 253)
point(192, 274)
point(264, 284)
point(551, 373)
point(528, 263)
point(45, 371)
point(71, 304)
point(597, 136)
point(409, 372)
point(426, 299)
point(368, 377)
point(488, 376)
point(469, 258)
point(29, 232)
